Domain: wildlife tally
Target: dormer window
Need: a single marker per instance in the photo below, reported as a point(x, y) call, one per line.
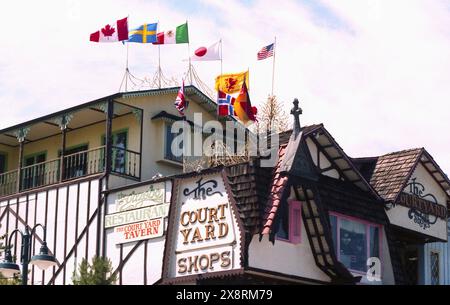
point(289, 224)
point(355, 241)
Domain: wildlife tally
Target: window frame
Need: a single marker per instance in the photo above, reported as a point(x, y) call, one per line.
point(5, 154)
point(367, 225)
point(165, 155)
point(293, 205)
point(438, 253)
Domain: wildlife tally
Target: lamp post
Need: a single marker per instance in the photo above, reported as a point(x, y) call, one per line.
point(42, 260)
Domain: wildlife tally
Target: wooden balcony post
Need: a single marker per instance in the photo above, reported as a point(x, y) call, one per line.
point(63, 153)
point(108, 136)
point(63, 122)
point(21, 135)
point(19, 170)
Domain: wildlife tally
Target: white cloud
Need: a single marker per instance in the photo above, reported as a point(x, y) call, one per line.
point(378, 79)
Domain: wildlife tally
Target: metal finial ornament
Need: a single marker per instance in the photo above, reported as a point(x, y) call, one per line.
point(296, 111)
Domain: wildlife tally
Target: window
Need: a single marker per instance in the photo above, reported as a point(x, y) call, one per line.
point(2, 163)
point(289, 224)
point(177, 155)
point(33, 171)
point(119, 148)
point(434, 267)
point(355, 241)
point(75, 161)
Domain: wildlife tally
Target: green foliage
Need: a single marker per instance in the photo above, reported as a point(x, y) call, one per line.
point(13, 281)
point(99, 272)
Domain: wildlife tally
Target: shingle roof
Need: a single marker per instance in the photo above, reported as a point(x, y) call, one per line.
point(388, 173)
point(249, 184)
point(277, 186)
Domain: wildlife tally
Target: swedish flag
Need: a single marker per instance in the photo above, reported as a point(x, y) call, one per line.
point(146, 33)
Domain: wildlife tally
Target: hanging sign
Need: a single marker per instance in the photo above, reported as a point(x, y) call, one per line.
point(141, 230)
point(205, 233)
point(139, 213)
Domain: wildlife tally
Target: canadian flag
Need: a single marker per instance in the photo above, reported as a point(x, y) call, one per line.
point(112, 32)
point(207, 53)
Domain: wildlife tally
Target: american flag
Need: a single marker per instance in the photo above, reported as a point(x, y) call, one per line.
point(265, 52)
point(225, 104)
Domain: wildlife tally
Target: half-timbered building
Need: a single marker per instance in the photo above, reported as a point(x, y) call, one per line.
point(103, 180)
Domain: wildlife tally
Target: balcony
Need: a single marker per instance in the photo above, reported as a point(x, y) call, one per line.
point(74, 143)
point(81, 164)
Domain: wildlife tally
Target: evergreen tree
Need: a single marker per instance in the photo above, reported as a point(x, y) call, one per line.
point(99, 272)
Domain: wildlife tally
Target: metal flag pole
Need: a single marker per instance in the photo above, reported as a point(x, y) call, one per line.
point(159, 67)
point(127, 71)
point(221, 57)
point(125, 76)
point(273, 67)
point(189, 57)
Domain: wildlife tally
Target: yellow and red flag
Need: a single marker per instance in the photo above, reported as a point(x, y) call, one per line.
point(243, 107)
point(232, 82)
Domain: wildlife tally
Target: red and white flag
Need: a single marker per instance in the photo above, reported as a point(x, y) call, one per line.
point(180, 101)
point(112, 32)
point(207, 53)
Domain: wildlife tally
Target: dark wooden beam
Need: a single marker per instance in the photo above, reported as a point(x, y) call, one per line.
point(327, 155)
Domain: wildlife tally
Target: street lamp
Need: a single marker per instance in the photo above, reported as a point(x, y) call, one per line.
point(42, 260)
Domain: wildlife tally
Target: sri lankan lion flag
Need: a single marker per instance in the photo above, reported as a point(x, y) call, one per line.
point(232, 82)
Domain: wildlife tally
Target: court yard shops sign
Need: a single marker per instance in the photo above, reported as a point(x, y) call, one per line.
point(139, 213)
point(204, 235)
point(421, 207)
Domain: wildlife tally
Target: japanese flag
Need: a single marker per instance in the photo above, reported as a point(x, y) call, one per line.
point(116, 31)
point(207, 53)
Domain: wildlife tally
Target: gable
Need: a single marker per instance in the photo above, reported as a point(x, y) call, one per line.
point(421, 205)
point(331, 160)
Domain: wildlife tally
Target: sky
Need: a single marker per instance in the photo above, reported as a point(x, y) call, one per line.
point(376, 73)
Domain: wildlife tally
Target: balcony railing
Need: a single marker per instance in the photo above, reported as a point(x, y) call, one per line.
point(8, 183)
point(126, 162)
point(84, 163)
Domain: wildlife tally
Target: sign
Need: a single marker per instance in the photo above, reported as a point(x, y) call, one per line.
point(152, 196)
point(141, 230)
point(139, 213)
point(123, 218)
point(205, 235)
point(421, 206)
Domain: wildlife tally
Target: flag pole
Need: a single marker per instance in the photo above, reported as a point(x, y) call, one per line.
point(126, 70)
point(273, 67)
point(189, 56)
point(221, 57)
point(159, 67)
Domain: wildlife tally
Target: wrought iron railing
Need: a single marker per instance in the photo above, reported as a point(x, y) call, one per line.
point(126, 162)
point(8, 183)
point(39, 174)
point(84, 163)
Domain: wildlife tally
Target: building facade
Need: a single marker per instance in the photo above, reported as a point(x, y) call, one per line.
point(103, 179)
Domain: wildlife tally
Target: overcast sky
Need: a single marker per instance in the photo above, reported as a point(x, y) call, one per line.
point(376, 73)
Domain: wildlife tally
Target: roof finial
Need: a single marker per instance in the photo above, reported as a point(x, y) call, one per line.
point(296, 111)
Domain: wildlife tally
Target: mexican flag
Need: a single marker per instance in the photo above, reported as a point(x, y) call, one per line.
point(179, 35)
